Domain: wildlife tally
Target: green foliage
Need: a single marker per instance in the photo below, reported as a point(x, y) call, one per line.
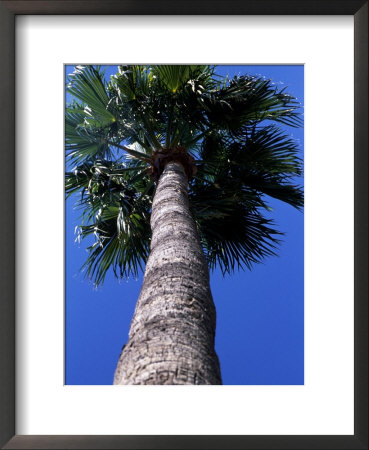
point(116, 202)
point(231, 129)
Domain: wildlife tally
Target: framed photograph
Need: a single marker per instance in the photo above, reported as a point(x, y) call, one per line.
point(55, 370)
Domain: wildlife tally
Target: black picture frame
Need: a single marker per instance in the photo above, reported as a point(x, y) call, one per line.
point(8, 11)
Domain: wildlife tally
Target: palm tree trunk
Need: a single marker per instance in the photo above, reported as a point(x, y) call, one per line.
point(171, 338)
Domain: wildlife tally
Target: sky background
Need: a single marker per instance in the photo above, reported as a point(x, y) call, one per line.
point(260, 313)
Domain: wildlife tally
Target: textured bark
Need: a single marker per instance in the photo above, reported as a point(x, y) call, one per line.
point(171, 338)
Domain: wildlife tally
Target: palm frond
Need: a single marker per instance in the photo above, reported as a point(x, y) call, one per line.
point(87, 84)
point(264, 160)
point(83, 142)
point(247, 100)
point(174, 77)
point(116, 202)
point(234, 233)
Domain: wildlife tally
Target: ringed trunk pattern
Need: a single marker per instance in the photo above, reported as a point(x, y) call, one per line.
point(171, 338)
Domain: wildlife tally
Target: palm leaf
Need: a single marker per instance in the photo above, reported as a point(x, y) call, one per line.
point(247, 100)
point(174, 77)
point(264, 160)
point(234, 236)
point(86, 84)
point(115, 202)
point(80, 142)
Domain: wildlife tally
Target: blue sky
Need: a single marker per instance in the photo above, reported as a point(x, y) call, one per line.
point(260, 313)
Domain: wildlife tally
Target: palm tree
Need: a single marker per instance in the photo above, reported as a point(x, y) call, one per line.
point(173, 165)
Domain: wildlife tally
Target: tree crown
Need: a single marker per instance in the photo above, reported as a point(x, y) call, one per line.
point(228, 134)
